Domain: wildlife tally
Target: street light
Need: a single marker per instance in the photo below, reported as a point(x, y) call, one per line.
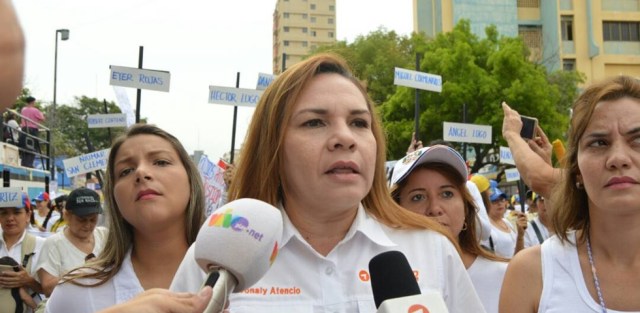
point(64, 35)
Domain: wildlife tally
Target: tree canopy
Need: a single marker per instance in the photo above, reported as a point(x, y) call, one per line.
point(480, 73)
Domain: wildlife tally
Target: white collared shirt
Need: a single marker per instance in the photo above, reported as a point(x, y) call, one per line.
point(71, 298)
point(15, 252)
point(302, 280)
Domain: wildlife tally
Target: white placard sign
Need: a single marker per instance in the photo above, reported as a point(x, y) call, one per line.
point(107, 120)
point(139, 78)
point(512, 174)
point(86, 163)
point(419, 80)
point(234, 96)
point(471, 133)
point(506, 157)
point(264, 80)
point(11, 197)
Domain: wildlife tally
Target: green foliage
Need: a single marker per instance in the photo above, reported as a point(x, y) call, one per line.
point(374, 56)
point(481, 73)
point(70, 127)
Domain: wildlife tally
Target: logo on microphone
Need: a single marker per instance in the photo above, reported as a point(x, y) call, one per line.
point(237, 223)
point(418, 308)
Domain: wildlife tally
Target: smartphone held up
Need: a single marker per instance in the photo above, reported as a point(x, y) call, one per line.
point(529, 124)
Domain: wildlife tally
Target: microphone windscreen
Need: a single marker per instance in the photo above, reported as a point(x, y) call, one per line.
point(391, 277)
point(242, 237)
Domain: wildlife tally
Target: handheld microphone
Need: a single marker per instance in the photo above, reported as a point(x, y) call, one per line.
point(236, 246)
point(395, 288)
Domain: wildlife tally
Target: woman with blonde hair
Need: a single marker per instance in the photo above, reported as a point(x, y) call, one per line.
point(316, 149)
point(593, 262)
point(155, 197)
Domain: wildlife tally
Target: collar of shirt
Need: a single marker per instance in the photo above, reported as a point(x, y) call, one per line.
point(363, 223)
point(4, 244)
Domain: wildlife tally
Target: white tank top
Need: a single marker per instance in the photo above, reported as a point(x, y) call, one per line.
point(563, 286)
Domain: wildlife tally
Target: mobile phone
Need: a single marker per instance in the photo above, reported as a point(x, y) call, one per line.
point(528, 130)
point(10, 268)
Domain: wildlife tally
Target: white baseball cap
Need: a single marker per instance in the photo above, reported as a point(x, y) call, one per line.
point(432, 154)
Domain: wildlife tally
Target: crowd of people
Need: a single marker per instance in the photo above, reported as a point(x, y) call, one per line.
point(26, 134)
point(315, 149)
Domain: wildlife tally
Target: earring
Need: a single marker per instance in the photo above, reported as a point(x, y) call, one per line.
point(464, 226)
point(579, 185)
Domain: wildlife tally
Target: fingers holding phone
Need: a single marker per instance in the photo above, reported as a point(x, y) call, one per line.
point(511, 123)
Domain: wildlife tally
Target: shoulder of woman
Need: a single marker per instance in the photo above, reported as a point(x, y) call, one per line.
point(522, 285)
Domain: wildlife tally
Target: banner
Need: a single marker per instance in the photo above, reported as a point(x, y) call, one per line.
point(213, 181)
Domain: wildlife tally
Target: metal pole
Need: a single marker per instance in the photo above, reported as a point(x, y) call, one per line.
point(464, 120)
point(55, 83)
point(284, 63)
point(416, 116)
point(52, 165)
point(106, 111)
point(139, 91)
point(235, 117)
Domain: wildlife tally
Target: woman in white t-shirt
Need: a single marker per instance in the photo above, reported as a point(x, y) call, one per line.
point(432, 181)
point(592, 264)
point(80, 241)
point(156, 201)
point(505, 239)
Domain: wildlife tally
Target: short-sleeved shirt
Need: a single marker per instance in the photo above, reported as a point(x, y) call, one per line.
point(33, 114)
point(59, 255)
point(302, 280)
point(531, 238)
point(15, 252)
point(71, 298)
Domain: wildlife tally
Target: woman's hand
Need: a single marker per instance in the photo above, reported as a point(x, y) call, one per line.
point(415, 144)
point(164, 301)
point(521, 222)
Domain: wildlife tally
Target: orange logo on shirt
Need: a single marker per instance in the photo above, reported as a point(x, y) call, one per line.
point(364, 276)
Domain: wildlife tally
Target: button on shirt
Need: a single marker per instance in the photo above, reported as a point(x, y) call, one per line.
point(302, 280)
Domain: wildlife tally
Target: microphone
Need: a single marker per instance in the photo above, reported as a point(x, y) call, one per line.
point(395, 288)
point(236, 246)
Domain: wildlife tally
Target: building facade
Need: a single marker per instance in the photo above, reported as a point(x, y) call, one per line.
point(300, 26)
point(599, 38)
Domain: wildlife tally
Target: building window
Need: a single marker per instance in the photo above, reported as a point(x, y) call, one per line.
point(304, 44)
point(332, 8)
point(286, 43)
point(528, 3)
point(285, 15)
point(313, 33)
point(569, 64)
point(286, 29)
point(621, 31)
point(566, 27)
point(532, 38)
point(330, 34)
point(304, 30)
point(330, 20)
point(313, 6)
point(313, 19)
point(305, 16)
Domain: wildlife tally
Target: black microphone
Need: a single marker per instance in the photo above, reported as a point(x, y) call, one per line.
point(395, 288)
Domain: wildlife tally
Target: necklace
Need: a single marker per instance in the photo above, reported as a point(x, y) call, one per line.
point(595, 277)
